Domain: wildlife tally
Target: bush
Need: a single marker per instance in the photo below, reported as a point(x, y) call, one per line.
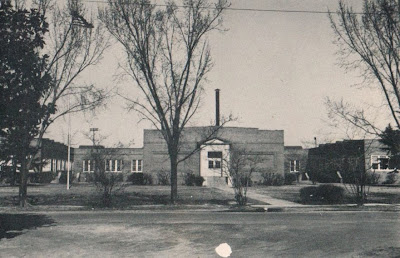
point(373, 178)
point(147, 179)
point(191, 179)
point(323, 194)
point(325, 177)
point(390, 178)
point(163, 178)
point(198, 180)
point(308, 194)
point(63, 177)
point(140, 179)
point(86, 177)
point(41, 177)
point(136, 178)
point(272, 179)
point(290, 178)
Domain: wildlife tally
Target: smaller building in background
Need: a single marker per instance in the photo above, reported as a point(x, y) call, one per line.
point(123, 161)
point(296, 161)
point(339, 161)
point(50, 160)
point(52, 156)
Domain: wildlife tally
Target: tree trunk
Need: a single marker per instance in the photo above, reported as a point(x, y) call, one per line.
point(174, 176)
point(23, 186)
point(14, 171)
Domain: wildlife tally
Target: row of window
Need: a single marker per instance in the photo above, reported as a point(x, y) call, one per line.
point(54, 165)
point(113, 165)
point(380, 162)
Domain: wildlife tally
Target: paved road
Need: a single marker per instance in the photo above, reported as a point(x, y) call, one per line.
point(196, 234)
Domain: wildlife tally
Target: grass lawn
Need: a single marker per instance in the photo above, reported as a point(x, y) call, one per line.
point(128, 196)
point(377, 194)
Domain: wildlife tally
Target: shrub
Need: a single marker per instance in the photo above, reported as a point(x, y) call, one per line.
point(390, 178)
point(140, 179)
point(198, 180)
point(163, 178)
point(326, 177)
point(373, 178)
point(86, 177)
point(63, 177)
point(308, 194)
point(325, 194)
point(290, 178)
point(41, 177)
point(189, 179)
point(272, 179)
point(331, 193)
point(136, 178)
point(147, 179)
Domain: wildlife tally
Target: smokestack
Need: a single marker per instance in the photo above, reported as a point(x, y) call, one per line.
point(216, 107)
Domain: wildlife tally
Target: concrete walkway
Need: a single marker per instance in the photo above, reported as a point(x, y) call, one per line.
point(264, 198)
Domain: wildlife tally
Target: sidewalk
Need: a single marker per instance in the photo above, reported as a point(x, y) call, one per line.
point(264, 198)
point(273, 204)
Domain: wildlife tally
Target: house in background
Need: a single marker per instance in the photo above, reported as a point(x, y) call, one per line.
point(52, 156)
point(337, 161)
point(51, 159)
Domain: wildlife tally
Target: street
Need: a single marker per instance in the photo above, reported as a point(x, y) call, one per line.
point(197, 234)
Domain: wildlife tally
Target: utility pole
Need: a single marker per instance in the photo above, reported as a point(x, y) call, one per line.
point(69, 144)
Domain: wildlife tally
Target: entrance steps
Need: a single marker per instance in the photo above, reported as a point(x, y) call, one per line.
point(217, 182)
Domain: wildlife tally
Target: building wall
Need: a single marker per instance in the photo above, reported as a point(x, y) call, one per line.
point(296, 154)
point(125, 155)
point(375, 148)
point(267, 144)
point(51, 157)
point(348, 156)
point(327, 159)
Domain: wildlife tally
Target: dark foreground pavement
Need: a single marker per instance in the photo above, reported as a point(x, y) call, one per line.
point(197, 234)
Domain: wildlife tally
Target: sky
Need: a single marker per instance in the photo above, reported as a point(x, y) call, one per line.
point(274, 71)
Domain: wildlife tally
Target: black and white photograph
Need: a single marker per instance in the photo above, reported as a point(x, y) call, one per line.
point(200, 128)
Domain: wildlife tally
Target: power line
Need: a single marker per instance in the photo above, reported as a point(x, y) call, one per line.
point(241, 9)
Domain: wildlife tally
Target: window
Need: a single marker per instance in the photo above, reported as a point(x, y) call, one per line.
point(214, 159)
point(210, 164)
point(136, 165)
point(215, 154)
point(114, 165)
point(294, 166)
point(88, 165)
point(380, 162)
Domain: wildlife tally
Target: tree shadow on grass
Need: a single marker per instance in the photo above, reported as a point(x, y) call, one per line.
point(12, 225)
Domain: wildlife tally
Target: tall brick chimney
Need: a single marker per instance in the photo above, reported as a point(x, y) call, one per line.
point(216, 107)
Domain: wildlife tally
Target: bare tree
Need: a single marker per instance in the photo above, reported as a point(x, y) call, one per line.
point(239, 166)
point(168, 58)
point(108, 183)
point(369, 43)
point(73, 46)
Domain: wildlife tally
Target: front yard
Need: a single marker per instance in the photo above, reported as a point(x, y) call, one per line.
point(133, 196)
point(127, 197)
point(377, 194)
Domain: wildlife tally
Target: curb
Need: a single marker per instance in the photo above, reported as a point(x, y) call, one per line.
point(327, 208)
